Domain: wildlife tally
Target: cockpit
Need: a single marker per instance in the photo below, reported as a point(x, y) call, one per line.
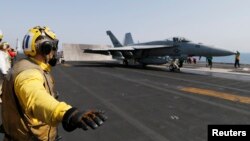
point(179, 39)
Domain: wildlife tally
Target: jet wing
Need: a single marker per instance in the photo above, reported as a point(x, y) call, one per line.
point(138, 47)
point(107, 51)
point(130, 48)
point(113, 49)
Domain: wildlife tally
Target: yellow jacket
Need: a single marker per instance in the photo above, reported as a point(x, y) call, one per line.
point(237, 56)
point(30, 111)
point(35, 100)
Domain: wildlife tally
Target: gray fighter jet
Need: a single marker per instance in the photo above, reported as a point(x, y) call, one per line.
point(156, 52)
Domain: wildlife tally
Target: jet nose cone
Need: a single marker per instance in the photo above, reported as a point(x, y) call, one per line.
point(219, 52)
point(227, 52)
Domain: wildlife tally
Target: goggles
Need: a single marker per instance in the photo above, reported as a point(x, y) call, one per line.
point(48, 45)
point(53, 45)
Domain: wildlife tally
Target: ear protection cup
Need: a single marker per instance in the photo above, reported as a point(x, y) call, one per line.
point(45, 47)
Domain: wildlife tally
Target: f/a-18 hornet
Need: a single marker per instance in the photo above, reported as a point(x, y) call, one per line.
point(156, 52)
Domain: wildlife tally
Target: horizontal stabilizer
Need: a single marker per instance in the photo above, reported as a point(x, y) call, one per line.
point(103, 52)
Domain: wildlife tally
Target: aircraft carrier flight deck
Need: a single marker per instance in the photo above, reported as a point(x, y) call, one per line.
point(153, 104)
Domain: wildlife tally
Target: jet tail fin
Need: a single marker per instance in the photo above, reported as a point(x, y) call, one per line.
point(128, 39)
point(114, 40)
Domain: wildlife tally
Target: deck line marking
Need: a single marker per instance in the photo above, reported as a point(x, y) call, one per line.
point(176, 93)
point(222, 95)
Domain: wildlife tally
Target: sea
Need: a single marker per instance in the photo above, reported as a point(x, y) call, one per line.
point(244, 59)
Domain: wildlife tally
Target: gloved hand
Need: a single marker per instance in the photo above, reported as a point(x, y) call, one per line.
point(73, 119)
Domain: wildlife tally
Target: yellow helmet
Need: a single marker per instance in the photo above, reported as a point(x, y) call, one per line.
point(1, 35)
point(39, 39)
point(5, 45)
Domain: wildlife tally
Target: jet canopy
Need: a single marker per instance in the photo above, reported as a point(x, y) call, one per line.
point(179, 39)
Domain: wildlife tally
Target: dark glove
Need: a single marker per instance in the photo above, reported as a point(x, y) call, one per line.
point(73, 119)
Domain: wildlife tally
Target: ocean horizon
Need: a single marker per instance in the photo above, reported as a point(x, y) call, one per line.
point(244, 59)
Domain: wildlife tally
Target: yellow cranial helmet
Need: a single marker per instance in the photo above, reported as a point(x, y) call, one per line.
point(1, 35)
point(39, 39)
point(5, 45)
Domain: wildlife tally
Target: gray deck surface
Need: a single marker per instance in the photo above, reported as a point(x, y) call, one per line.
point(149, 104)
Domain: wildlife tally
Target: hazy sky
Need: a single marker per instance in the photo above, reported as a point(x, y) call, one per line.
point(222, 23)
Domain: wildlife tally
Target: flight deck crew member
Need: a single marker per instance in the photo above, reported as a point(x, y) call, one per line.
point(210, 61)
point(12, 54)
point(6, 47)
point(3, 62)
point(29, 110)
point(237, 60)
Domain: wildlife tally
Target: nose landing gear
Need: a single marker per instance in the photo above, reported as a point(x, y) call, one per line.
point(173, 68)
point(174, 65)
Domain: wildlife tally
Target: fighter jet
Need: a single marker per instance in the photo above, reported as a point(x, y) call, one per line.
point(156, 52)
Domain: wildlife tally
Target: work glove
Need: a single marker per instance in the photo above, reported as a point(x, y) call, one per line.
point(73, 119)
